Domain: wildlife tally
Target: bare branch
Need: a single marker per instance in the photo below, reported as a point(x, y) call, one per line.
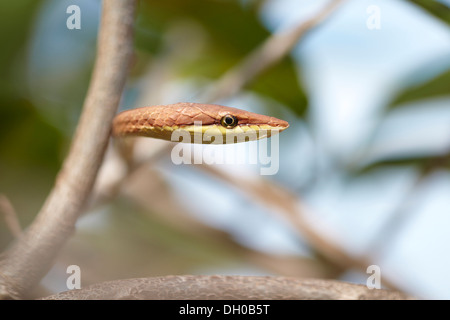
point(287, 205)
point(10, 215)
point(228, 288)
point(146, 189)
point(262, 58)
point(29, 259)
point(404, 209)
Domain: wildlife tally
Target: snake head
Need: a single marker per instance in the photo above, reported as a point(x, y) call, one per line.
point(224, 124)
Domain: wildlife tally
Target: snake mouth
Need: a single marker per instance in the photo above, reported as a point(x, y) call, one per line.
point(218, 134)
point(209, 134)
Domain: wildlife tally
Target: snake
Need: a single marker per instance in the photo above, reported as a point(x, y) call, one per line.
point(209, 120)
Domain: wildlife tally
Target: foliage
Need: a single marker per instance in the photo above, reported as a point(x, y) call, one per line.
point(439, 10)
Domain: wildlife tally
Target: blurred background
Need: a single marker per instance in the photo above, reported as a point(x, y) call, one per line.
point(363, 173)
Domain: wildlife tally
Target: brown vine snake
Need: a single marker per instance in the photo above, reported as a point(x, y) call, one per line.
point(209, 119)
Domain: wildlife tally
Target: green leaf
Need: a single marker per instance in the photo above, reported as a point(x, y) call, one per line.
point(438, 86)
point(233, 30)
point(15, 26)
point(437, 9)
point(423, 163)
point(26, 138)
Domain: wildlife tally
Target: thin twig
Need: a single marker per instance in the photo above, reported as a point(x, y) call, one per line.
point(10, 215)
point(265, 56)
point(287, 204)
point(29, 259)
point(391, 228)
point(146, 189)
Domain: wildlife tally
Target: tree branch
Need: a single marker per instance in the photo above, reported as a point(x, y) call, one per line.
point(227, 288)
point(286, 204)
point(29, 258)
point(265, 56)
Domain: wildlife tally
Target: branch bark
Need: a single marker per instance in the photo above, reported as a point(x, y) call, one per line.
point(30, 257)
point(227, 288)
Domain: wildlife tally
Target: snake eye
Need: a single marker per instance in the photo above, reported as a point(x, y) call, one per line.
point(229, 121)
